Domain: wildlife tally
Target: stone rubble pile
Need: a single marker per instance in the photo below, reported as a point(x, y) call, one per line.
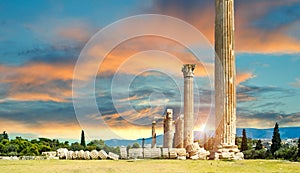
point(228, 152)
point(195, 152)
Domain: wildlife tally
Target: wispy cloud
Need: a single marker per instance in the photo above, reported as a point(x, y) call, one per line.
point(296, 84)
point(256, 119)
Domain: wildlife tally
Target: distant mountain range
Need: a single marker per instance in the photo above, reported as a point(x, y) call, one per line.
point(285, 133)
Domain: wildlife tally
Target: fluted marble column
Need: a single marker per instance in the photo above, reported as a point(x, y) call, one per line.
point(225, 74)
point(188, 74)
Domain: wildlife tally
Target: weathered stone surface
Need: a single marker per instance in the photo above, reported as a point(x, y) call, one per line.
point(196, 152)
point(239, 156)
point(147, 153)
point(102, 154)
point(113, 156)
point(225, 80)
point(178, 136)
point(123, 152)
point(155, 153)
point(86, 155)
point(75, 155)
point(62, 153)
point(225, 73)
point(165, 153)
point(181, 157)
point(135, 153)
point(49, 154)
point(168, 129)
point(94, 154)
point(195, 157)
point(172, 153)
point(193, 147)
point(188, 74)
point(80, 154)
point(153, 143)
point(181, 152)
point(69, 155)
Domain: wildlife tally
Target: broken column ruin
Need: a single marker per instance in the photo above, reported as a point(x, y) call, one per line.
point(225, 85)
point(188, 74)
point(153, 145)
point(168, 132)
point(178, 136)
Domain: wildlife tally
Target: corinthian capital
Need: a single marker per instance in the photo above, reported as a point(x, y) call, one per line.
point(188, 70)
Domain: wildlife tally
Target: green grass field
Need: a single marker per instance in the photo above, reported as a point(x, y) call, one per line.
point(140, 166)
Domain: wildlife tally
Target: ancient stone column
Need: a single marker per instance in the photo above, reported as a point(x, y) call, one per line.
point(178, 136)
point(153, 145)
point(188, 74)
point(225, 74)
point(168, 132)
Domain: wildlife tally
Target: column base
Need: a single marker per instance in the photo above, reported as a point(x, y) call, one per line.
point(228, 152)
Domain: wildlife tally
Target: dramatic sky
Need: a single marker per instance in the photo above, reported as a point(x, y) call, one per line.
point(40, 42)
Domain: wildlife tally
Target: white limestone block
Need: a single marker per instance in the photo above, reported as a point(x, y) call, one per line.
point(165, 153)
point(94, 154)
point(102, 154)
point(86, 155)
point(113, 156)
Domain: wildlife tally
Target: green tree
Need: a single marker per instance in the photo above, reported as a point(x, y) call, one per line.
point(136, 145)
point(276, 141)
point(244, 145)
point(99, 144)
point(287, 153)
point(259, 145)
point(76, 146)
point(82, 142)
point(298, 154)
point(4, 135)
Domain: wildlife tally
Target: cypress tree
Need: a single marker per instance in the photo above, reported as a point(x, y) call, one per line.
point(276, 141)
point(82, 142)
point(244, 146)
point(258, 146)
point(5, 135)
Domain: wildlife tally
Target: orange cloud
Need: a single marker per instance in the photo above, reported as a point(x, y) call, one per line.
point(248, 37)
point(34, 96)
point(47, 129)
point(145, 53)
point(243, 77)
point(38, 81)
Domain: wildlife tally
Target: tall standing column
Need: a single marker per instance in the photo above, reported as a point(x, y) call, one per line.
point(153, 145)
point(225, 74)
point(168, 131)
point(188, 74)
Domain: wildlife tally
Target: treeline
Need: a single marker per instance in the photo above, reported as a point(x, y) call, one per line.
point(254, 149)
point(35, 147)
